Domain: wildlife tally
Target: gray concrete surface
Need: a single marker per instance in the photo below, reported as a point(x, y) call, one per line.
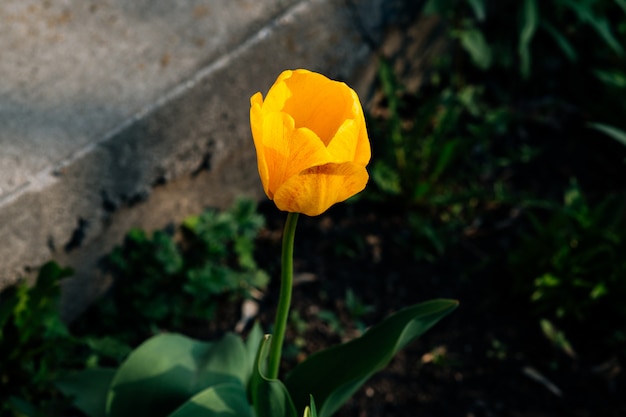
point(118, 114)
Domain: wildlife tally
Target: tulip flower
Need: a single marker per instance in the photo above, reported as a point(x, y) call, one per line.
point(312, 149)
point(311, 142)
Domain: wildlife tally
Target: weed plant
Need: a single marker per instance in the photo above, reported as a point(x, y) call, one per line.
point(35, 345)
point(162, 282)
point(170, 280)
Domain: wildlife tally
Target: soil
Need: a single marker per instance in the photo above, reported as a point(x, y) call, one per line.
point(488, 358)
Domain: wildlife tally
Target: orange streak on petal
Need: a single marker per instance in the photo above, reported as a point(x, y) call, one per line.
point(313, 191)
point(306, 150)
point(277, 131)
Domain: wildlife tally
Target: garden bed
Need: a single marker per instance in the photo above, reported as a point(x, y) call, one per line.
point(488, 358)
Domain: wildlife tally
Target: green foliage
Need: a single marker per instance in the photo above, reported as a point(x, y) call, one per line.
point(563, 22)
point(336, 321)
point(34, 343)
point(360, 358)
point(332, 321)
point(557, 337)
point(452, 128)
point(526, 106)
point(311, 410)
point(432, 142)
point(167, 375)
point(445, 161)
point(172, 375)
point(163, 281)
point(613, 132)
point(269, 397)
point(223, 400)
point(355, 306)
point(543, 47)
point(166, 280)
point(575, 251)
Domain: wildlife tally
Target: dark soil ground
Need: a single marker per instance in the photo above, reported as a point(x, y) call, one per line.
point(488, 358)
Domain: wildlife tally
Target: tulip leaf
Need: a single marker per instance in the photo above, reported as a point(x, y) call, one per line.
point(88, 388)
point(310, 411)
point(269, 397)
point(253, 343)
point(168, 369)
point(331, 376)
point(221, 400)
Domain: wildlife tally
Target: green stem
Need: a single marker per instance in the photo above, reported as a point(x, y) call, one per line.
point(284, 300)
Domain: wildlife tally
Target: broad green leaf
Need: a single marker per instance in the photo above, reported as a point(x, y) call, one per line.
point(269, 397)
point(530, 21)
point(221, 400)
point(475, 44)
point(611, 131)
point(88, 388)
point(168, 369)
point(333, 375)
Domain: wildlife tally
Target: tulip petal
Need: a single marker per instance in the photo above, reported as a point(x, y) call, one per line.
point(363, 151)
point(256, 125)
point(314, 190)
point(351, 143)
point(288, 151)
point(278, 94)
point(343, 146)
point(348, 145)
point(320, 103)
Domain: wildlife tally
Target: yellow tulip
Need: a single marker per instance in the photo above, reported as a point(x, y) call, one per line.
point(311, 142)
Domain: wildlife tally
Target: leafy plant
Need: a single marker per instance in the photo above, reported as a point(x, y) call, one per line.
point(172, 375)
point(524, 100)
point(561, 21)
point(574, 255)
point(34, 343)
point(355, 306)
point(441, 159)
point(166, 280)
point(36, 346)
